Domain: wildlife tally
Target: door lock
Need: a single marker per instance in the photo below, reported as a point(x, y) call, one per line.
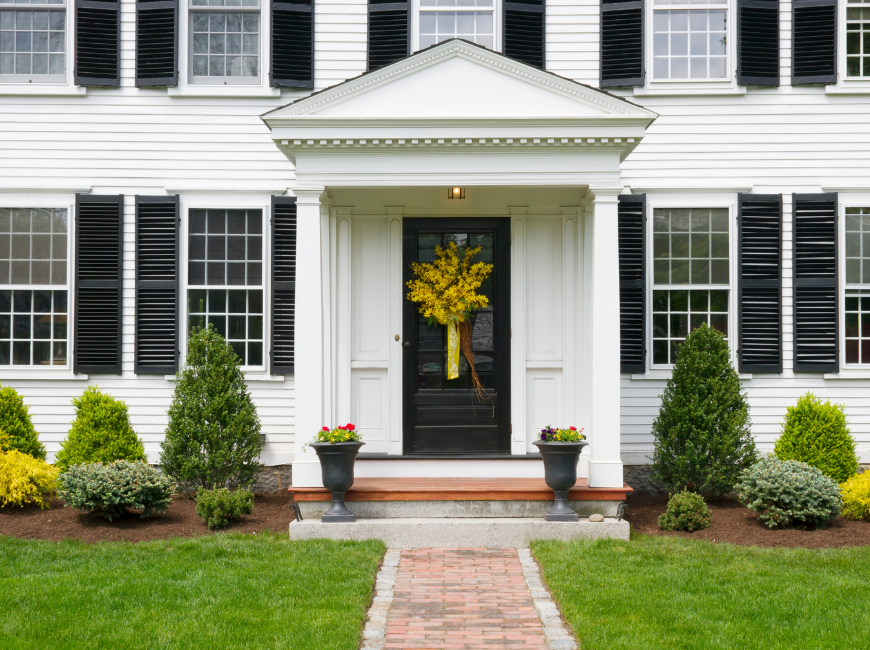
point(407, 344)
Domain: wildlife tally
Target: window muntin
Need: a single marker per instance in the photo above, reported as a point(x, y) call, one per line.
point(857, 303)
point(225, 277)
point(33, 264)
point(225, 41)
point(858, 38)
point(473, 20)
point(690, 251)
point(32, 40)
point(689, 42)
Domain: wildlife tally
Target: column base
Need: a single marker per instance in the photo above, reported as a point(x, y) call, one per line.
point(306, 473)
point(602, 473)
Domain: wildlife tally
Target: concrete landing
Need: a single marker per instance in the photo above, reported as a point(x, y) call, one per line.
point(462, 509)
point(460, 533)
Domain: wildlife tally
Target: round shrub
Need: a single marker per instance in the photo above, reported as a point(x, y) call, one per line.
point(218, 507)
point(856, 496)
point(110, 490)
point(702, 436)
point(686, 511)
point(213, 436)
point(24, 479)
point(15, 423)
point(817, 433)
point(100, 433)
point(789, 493)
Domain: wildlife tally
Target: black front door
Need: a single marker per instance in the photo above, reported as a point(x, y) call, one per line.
point(441, 415)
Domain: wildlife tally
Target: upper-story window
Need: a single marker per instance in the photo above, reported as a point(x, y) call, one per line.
point(33, 40)
point(225, 41)
point(857, 39)
point(473, 20)
point(689, 40)
point(690, 248)
point(857, 328)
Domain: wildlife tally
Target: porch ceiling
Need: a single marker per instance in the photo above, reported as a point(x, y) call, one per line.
point(457, 112)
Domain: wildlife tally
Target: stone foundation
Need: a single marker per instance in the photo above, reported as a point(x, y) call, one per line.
point(273, 478)
point(640, 478)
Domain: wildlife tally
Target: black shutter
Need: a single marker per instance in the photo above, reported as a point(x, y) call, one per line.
point(632, 281)
point(814, 42)
point(292, 44)
point(389, 32)
point(758, 42)
point(759, 282)
point(157, 318)
point(621, 43)
point(98, 39)
point(98, 290)
point(156, 42)
point(524, 32)
point(816, 344)
point(283, 284)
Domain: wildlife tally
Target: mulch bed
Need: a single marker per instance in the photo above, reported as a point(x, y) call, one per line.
point(271, 513)
point(735, 524)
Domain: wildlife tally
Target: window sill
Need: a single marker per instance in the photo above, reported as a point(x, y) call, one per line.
point(847, 374)
point(42, 89)
point(249, 376)
point(856, 87)
point(195, 91)
point(686, 90)
point(45, 189)
point(54, 375)
point(663, 375)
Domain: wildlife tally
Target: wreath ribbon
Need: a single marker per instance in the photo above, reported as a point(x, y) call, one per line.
point(452, 349)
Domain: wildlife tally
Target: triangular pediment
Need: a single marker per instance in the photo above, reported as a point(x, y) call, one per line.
point(458, 80)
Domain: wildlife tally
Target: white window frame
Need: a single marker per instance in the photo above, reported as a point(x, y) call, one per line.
point(226, 80)
point(857, 200)
point(228, 202)
point(27, 81)
point(728, 83)
point(48, 202)
point(497, 17)
point(845, 84)
point(699, 202)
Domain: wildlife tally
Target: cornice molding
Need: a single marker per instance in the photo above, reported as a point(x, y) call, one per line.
point(45, 189)
point(345, 144)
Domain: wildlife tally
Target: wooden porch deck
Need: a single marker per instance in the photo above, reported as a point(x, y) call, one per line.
point(460, 489)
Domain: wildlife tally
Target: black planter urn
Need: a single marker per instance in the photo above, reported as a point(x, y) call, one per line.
point(336, 466)
point(560, 473)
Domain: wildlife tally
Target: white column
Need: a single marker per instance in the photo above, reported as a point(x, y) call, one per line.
point(310, 399)
point(601, 372)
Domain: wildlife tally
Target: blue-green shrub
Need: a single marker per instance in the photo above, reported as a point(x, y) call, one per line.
point(110, 490)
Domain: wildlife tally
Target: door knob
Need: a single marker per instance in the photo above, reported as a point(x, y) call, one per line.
point(407, 344)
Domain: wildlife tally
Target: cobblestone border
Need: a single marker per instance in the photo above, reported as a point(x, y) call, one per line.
point(558, 636)
point(375, 629)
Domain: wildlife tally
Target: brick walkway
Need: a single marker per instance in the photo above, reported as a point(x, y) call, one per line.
point(467, 599)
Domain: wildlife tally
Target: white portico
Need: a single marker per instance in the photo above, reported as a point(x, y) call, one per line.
point(537, 154)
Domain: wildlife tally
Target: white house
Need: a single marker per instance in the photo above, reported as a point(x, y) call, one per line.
point(630, 168)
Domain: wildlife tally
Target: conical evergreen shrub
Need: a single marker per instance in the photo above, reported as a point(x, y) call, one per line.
point(702, 433)
point(213, 436)
point(16, 425)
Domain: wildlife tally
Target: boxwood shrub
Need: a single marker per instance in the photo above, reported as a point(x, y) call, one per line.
point(219, 506)
point(686, 511)
point(110, 490)
point(788, 493)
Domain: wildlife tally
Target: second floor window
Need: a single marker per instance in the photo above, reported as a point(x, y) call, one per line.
point(472, 20)
point(689, 40)
point(857, 39)
point(32, 40)
point(858, 285)
point(225, 41)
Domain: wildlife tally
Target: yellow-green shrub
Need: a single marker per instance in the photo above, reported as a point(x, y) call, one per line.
point(856, 496)
point(24, 479)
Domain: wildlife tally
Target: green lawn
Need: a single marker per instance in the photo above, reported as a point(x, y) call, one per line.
point(665, 592)
point(219, 591)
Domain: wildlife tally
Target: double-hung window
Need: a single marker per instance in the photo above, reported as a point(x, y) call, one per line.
point(689, 40)
point(33, 287)
point(225, 278)
point(858, 38)
point(857, 305)
point(690, 276)
point(473, 20)
point(32, 41)
point(225, 41)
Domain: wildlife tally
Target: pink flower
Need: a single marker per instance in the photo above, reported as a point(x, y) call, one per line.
point(325, 429)
point(572, 428)
point(350, 427)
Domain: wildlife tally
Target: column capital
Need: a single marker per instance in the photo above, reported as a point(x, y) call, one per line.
point(310, 194)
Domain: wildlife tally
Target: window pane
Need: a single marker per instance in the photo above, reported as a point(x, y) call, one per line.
point(675, 313)
point(235, 314)
point(31, 324)
point(689, 44)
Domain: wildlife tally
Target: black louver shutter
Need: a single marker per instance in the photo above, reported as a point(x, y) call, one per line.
point(292, 44)
point(621, 43)
point(524, 32)
point(759, 282)
point(816, 342)
point(758, 42)
point(389, 30)
point(814, 42)
point(632, 280)
point(157, 271)
point(283, 284)
point(156, 42)
point(98, 38)
point(98, 291)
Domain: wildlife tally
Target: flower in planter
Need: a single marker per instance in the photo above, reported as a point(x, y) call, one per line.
point(571, 434)
point(345, 433)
